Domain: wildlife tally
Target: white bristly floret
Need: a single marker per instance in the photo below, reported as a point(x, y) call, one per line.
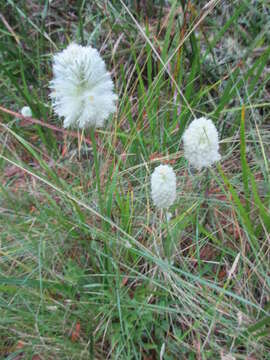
point(26, 111)
point(81, 88)
point(163, 186)
point(201, 143)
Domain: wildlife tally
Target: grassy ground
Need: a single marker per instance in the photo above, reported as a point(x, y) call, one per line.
point(100, 274)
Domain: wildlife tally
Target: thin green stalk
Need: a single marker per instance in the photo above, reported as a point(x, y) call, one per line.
point(96, 164)
point(168, 245)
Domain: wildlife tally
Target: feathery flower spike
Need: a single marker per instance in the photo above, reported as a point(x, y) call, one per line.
point(201, 143)
point(81, 88)
point(163, 186)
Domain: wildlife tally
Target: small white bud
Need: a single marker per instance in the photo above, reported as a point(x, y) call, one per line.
point(26, 111)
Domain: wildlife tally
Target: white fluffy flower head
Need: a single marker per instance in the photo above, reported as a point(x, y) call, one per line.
point(201, 143)
point(81, 88)
point(26, 111)
point(163, 186)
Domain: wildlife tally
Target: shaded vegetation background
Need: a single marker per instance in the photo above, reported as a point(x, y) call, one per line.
point(120, 282)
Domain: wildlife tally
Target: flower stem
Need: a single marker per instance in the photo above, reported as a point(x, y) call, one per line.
point(96, 164)
point(107, 249)
point(168, 244)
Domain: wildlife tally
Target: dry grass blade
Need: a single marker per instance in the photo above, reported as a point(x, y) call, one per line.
point(31, 120)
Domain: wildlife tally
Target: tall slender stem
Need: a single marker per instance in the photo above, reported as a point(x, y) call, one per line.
point(96, 164)
point(107, 248)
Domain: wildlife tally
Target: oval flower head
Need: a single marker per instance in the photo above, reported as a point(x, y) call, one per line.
point(81, 88)
point(201, 143)
point(163, 186)
point(26, 111)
